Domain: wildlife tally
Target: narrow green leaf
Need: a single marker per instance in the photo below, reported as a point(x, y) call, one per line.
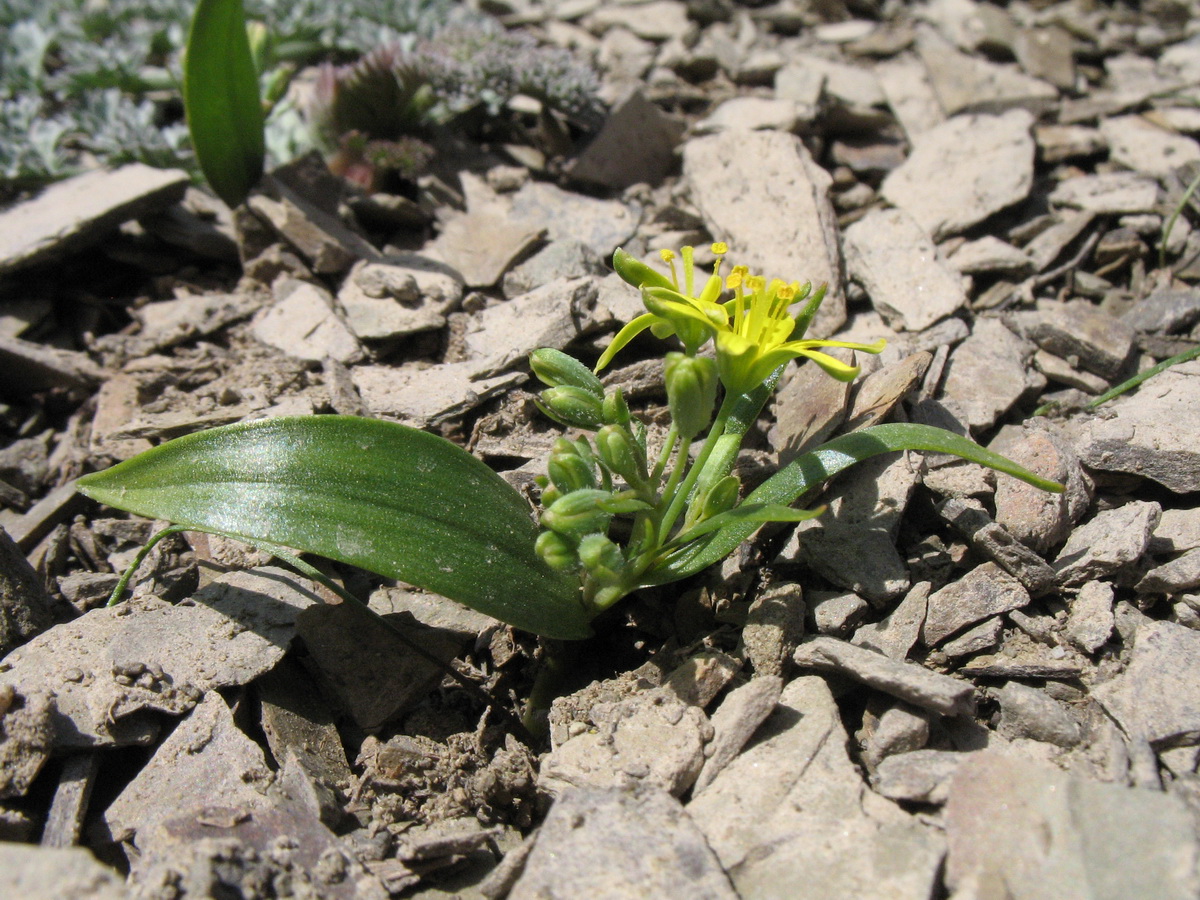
point(220, 97)
point(748, 513)
point(378, 495)
point(805, 473)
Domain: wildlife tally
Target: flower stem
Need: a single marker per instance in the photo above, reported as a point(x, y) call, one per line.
point(679, 498)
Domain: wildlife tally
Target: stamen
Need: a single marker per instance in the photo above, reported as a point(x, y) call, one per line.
point(668, 256)
point(720, 248)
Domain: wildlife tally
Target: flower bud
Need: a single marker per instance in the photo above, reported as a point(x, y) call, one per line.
point(691, 392)
point(616, 410)
point(636, 273)
point(572, 406)
point(557, 552)
point(556, 369)
point(570, 472)
point(721, 497)
point(621, 455)
point(578, 513)
point(602, 558)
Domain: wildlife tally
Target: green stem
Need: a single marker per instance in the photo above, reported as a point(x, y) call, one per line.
point(117, 591)
point(680, 497)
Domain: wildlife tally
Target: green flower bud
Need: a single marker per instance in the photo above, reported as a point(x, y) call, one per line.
point(549, 494)
point(624, 503)
point(556, 369)
point(578, 513)
point(572, 406)
point(721, 497)
point(636, 273)
point(602, 558)
point(571, 472)
point(616, 410)
point(621, 454)
point(691, 392)
point(557, 552)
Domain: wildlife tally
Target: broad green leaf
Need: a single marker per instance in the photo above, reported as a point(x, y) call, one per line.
point(805, 473)
point(378, 495)
point(220, 97)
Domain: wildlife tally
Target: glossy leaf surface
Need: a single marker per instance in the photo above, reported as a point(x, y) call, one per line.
point(802, 475)
point(378, 495)
point(220, 97)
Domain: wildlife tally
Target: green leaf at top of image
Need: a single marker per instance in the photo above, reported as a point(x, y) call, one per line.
point(387, 498)
point(803, 474)
point(220, 97)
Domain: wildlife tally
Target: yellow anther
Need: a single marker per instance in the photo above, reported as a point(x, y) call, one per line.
point(734, 280)
point(720, 248)
point(787, 292)
point(756, 282)
point(667, 255)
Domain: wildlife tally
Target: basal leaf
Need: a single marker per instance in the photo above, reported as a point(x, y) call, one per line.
point(220, 97)
point(378, 495)
point(805, 473)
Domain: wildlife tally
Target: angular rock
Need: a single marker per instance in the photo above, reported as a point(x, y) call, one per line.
point(734, 177)
point(558, 259)
point(75, 213)
point(325, 242)
point(405, 295)
point(1042, 833)
point(965, 84)
point(791, 816)
point(552, 315)
point(734, 723)
point(1114, 538)
point(897, 729)
point(636, 145)
point(774, 626)
point(1040, 519)
point(303, 324)
point(985, 591)
point(920, 776)
point(1027, 712)
point(482, 244)
point(894, 259)
point(1165, 311)
point(1090, 621)
point(984, 636)
point(171, 322)
point(1057, 143)
point(1047, 53)
point(603, 225)
point(420, 395)
point(989, 254)
point(1173, 577)
point(809, 407)
point(26, 738)
point(896, 633)
point(877, 395)
point(740, 114)
point(1156, 698)
point(1080, 333)
point(27, 367)
point(907, 681)
point(1178, 531)
point(1138, 144)
point(835, 613)
point(112, 665)
point(68, 873)
point(1150, 432)
point(905, 83)
point(962, 171)
point(1110, 193)
point(620, 843)
point(988, 373)
point(24, 603)
point(994, 542)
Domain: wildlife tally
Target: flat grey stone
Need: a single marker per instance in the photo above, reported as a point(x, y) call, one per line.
point(913, 101)
point(989, 372)
point(1173, 577)
point(1027, 712)
point(636, 145)
point(898, 631)
point(735, 176)
point(809, 407)
point(1042, 833)
point(994, 542)
point(112, 664)
point(303, 324)
point(1114, 538)
point(26, 738)
point(1040, 519)
point(73, 214)
point(989, 254)
point(876, 395)
point(835, 612)
point(558, 259)
point(1049, 244)
point(617, 844)
point(844, 84)
point(1079, 332)
point(1090, 620)
point(792, 817)
point(907, 681)
point(897, 729)
point(482, 244)
point(603, 225)
point(1178, 530)
point(1156, 698)
point(739, 114)
point(1058, 143)
point(325, 242)
point(968, 84)
point(420, 395)
point(985, 591)
point(984, 636)
point(1047, 52)
point(1140, 145)
point(52, 873)
point(853, 544)
point(1165, 311)
point(1110, 193)
point(170, 322)
point(774, 626)
point(1151, 431)
point(402, 296)
point(25, 607)
point(552, 315)
point(920, 776)
point(656, 20)
point(962, 171)
point(734, 723)
point(206, 761)
point(651, 738)
point(895, 261)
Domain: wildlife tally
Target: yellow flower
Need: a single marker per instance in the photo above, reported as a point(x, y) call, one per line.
point(754, 332)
